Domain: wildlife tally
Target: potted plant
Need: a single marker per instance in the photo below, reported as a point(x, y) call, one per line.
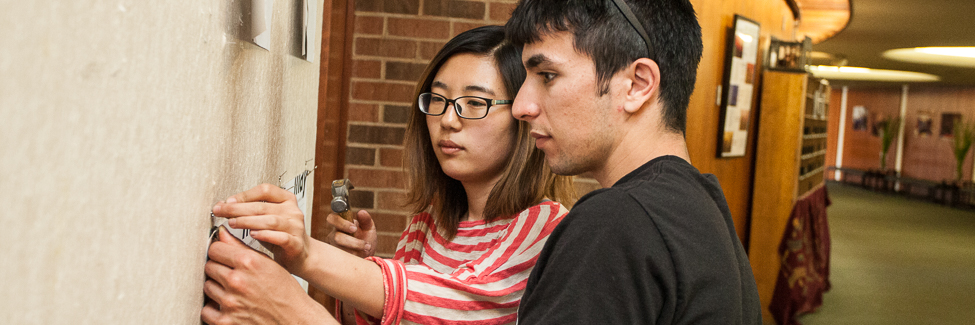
point(888, 129)
point(962, 136)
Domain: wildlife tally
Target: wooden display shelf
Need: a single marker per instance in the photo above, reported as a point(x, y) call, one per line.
point(790, 105)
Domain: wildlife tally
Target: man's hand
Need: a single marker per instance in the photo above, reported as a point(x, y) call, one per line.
point(358, 238)
point(273, 215)
point(247, 287)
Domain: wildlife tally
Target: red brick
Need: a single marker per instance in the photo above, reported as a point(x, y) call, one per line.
point(460, 27)
point(419, 28)
point(389, 222)
point(386, 245)
point(389, 200)
point(500, 12)
point(361, 199)
point(428, 50)
point(385, 47)
point(454, 8)
point(382, 91)
point(390, 6)
point(391, 157)
point(372, 178)
point(373, 134)
point(363, 113)
point(396, 114)
point(404, 71)
point(369, 25)
point(371, 69)
point(360, 156)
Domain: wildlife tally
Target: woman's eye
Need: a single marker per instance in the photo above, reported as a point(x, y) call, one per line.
point(437, 100)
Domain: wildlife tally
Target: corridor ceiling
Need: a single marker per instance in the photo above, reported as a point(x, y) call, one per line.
point(876, 26)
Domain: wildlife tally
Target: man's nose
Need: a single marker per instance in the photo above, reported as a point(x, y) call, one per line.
point(525, 107)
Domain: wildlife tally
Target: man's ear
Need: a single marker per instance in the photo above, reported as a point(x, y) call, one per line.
point(643, 83)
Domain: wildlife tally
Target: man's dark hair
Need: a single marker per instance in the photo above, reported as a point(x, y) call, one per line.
point(603, 33)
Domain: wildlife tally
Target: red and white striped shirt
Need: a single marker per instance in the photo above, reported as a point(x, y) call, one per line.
point(477, 278)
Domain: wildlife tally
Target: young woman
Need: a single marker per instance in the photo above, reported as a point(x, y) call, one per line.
point(478, 186)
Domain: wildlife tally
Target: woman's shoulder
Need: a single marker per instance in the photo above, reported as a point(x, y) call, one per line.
point(547, 209)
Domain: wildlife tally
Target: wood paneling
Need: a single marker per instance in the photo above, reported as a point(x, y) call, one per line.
point(931, 157)
point(861, 149)
point(735, 174)
point(777, 170)
point(925, 156)
point(821, 19)
point(330, 143)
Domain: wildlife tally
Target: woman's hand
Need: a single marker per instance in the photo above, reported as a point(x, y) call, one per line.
point(357, 238)
point(273, 215)
point(246, 287)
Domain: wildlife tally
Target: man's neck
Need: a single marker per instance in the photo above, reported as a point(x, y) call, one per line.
point(636, 149)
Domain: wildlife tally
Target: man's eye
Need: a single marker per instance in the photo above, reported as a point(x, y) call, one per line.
point(547, 76)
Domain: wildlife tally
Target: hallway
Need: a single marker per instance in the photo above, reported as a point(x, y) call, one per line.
point(897, 261)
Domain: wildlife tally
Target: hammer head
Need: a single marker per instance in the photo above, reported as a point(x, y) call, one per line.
point(340, 197)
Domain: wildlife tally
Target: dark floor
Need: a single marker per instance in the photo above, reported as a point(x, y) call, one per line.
point(897, 261)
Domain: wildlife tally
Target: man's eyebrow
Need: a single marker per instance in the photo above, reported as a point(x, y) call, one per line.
point(536, 60)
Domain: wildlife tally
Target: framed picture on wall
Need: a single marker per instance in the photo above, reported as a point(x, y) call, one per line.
point(739, 87)
point(924, 124)
point(948, 121)
point(859, 118)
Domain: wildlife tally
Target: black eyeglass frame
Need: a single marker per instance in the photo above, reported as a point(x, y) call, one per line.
point(631, 18)
point(457, 108)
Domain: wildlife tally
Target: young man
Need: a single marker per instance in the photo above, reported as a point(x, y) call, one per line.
point(606, 96)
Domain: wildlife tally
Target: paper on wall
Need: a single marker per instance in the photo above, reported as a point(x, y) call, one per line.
point(261, 11)
point(310, 20)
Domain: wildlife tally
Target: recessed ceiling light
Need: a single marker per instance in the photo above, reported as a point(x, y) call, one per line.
point(953, 56)
point(867, 74)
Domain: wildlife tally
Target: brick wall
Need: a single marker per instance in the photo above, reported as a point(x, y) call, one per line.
point(392, 44)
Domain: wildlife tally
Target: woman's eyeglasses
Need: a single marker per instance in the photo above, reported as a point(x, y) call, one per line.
point(468, 107)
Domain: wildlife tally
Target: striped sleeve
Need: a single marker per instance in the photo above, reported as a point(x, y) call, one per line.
point(483, 290)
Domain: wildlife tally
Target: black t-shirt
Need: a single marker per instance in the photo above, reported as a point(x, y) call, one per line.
point(659, 247)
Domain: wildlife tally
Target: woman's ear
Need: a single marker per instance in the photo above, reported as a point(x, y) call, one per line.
point(643, 83)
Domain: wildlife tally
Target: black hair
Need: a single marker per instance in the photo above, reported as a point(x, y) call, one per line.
point(603, 33)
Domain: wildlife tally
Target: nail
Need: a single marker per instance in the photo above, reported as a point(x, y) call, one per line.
point(353, 228)
point(232, 200)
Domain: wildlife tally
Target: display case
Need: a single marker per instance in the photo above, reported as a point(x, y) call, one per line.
point(789, 164)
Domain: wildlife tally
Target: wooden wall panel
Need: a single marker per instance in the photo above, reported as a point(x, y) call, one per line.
point(735, 174)
point(931, 157)
point(925, 157)
point(861, 149)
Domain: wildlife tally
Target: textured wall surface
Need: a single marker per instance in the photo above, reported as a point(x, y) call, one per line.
point(121, 123)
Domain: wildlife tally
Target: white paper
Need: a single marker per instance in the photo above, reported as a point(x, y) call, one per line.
point(261, 11)
point(297, 187)
point(310, 20)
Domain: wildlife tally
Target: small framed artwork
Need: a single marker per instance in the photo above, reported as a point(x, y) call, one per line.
point(789, 56)
point(739, 87)
point(860, 118)
point(924, 124)
point(948, 121)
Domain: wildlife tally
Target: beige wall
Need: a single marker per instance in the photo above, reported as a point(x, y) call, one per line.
point(121, 123)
